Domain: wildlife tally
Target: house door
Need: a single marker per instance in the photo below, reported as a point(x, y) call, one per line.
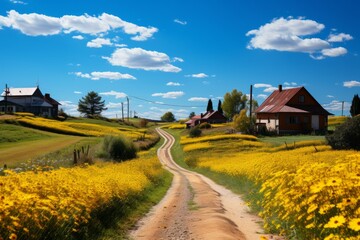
point(315, 122)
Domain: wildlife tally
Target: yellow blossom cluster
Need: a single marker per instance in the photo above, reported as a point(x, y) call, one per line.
point(59, 203)
point(308, 191)
point(81, 129)
point(189, 140)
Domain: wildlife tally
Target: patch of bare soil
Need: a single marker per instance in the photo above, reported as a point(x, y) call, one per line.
point(196, 208)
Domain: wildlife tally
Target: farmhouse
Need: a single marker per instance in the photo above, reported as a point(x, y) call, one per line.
point(293, 110)
point(29, 100)
point(209, 117)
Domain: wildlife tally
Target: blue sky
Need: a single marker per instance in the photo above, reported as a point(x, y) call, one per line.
point(175, 55)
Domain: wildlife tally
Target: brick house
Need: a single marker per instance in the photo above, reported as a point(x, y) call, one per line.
point(29, 100)
point(291, 111)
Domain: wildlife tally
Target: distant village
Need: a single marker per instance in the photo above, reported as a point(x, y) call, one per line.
point(285, 111)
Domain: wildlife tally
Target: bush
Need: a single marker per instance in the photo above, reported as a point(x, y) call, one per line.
point(205, 125)
point(346, 136)
point(118, 148)
point(195, 132)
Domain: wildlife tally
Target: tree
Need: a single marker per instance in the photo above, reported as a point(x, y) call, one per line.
point(219, 108)
point(233, 103)
point(168, 117)
point(355, 106)
point(209, 107)
point(241, 122)
point(346, 135)
point(91, 105)
point(191, 115)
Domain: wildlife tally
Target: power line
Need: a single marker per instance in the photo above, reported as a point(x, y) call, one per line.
point(165, 104)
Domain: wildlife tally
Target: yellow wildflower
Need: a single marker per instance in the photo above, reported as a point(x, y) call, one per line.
point(335, 222)
point(354, 224)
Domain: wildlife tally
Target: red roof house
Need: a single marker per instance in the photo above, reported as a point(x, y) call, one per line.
point(209, 117)
point(292, 110)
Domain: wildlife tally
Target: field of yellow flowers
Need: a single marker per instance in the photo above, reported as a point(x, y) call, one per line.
point(68, 203)
point(305, 191)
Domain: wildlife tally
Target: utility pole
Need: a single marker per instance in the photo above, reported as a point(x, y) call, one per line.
point(342, 108)
point(128, 107)
point(122, 111)
point(251, 104)
point(6, 94)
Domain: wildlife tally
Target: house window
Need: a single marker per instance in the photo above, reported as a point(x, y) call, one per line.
point(293, 120)
point(301, 98)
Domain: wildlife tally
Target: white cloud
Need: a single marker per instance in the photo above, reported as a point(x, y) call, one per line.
point(198, 75)
point(105, 75)
point(112, 105)
point(173, 84)
point(290, 84)
point(198, 99)
point(341, 37)
point(69, 107)
point(351, 84)
point(35, 24)
point(78, 37)
point(177, 59)
point(270, 89)
point(334, 52)
point(18, 2)
point(114, 93)
point(336, 105)
point(172, 95)
point(139, 58)
point(77, 92)
point(180, 22)
point(99, 42)
point(262, 96)
point(291, 35)
point(330, 96)
point(262, 85)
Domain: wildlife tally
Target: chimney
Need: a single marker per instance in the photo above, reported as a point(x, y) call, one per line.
point(47, 95)
point(280, 88)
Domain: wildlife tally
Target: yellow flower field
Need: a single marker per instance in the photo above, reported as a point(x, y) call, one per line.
point(59, 204)
point(310, 192)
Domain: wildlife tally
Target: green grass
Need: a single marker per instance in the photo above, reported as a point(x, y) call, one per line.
point(276, 141)
point(14, 133)
point(120, 228)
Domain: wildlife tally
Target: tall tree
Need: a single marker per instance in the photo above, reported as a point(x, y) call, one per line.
point(91, 104)
point(209, 107)
point(191, 115)
point(219, 108)
point(168, 117)
point(234, 102)
point(355, 106)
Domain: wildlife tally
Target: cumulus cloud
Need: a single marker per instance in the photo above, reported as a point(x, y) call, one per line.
point(69, 107)
point(351, 84)
point(198, 99)
point(262, 85)
point(334, 52)
point(78, 37)
point(198, 75)
point(77, 92)
point(104, 75)
point(262, 96)
point(172, 95)
point(177, 59)
point(18, 2)
point(292, 35)
point(99, 42)
point(139, 58)
point(35, 24)
point(176, 84)
point(341, 37)
point(336, 105)
point(114, 93)
point(180, 22)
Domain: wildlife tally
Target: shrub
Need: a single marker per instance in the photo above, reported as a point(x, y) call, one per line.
point(143, 123)
point(118, 148)
point(195, 132)
point(346, 136)
point(205, 125)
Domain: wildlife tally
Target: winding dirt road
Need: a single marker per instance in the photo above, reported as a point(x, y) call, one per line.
point(196, 208)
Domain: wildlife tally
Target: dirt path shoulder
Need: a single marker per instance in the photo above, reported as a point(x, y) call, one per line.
point(196, 208)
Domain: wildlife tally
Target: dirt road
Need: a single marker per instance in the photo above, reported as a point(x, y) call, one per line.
point(196, 208)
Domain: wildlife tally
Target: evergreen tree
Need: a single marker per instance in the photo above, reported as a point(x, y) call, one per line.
point(91, 105)
point(209, 106)
point(355, 106)
point(220, 107)
point(191, 115)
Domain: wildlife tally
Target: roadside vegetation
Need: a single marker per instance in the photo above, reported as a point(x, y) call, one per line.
point(47, 196)
point(300, 186)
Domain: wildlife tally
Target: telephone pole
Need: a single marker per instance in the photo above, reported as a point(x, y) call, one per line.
point(128, 107)
point(342, 108)
point(122, 111)
point(7, 91)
